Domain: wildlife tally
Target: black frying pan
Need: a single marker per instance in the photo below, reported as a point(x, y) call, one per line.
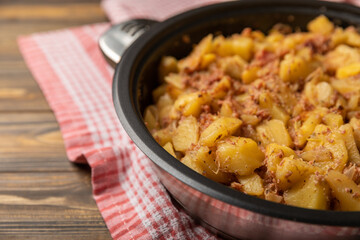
point(223, 210)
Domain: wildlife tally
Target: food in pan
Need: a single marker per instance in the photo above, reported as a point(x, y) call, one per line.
point(275, 116)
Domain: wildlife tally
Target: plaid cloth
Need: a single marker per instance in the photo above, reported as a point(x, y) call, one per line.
point(76, 82)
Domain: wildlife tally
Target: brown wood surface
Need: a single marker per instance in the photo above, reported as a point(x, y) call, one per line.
point(42, 194)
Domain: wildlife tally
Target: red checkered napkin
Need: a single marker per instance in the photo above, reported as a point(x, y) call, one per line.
point(76, 81)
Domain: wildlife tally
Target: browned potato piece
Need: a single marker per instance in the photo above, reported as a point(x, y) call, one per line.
point(221, 88)
point(151, 118)
point(167, 65)
point(275, 153)
point(191, 103)
point(175, 80)
point(225, 110)
point(164, 135)
point(193, 61)
point(274, 131)
point(342, 55)
point(170, 149)
point(346, 86)
point(307, 128)
point(186, 134)
point(219, 129)
point(252, 184)
point(321, 24)
point(294, 68)
point(348, 134)
point(348, 71)
point(239, 155)
point(233, 66)
point(202, 160)
point(310, 193)
point(265, 101)
point(250, 74)
point(333, 120)
point(332, 140)
point(292, 170)
point(345, 190)
point(235, 45)
point(355, 124)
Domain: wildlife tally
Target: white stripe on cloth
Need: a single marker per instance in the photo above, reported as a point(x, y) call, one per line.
point(84, 83)
point(120, 10)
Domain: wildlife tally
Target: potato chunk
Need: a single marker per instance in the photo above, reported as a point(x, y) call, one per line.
point(175, 80)
point(193, 61)
point(321, 25)
point(275, 153)
point(239, 155)
point(265, 101)
point(348, 134)
point(252, 184)
point(219, 129)
point(220, 89)
point(202, 160)
point(355, 124)
point(274, 131)
point(307, 128)
point(294, 68)
point(151, 118)
point(345, 86)
point(191, 103)
point(170, 149)
point(345, 190)
point(310, 193)
point(342, 55)
point(236, 45)
point(250, 74)
point(333, 120)
point(164, 135)
point(292, 170)
point(348, 71)
point(168, 64)
point(233, 66)
point(331, 140)
point(186, 134)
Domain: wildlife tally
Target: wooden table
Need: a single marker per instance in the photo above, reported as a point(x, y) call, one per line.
point(42, 194)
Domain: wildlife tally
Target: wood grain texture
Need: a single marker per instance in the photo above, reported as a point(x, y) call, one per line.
point(32, 142)
point(42, 194)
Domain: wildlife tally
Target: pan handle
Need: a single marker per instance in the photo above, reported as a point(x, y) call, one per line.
point(119, 37)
